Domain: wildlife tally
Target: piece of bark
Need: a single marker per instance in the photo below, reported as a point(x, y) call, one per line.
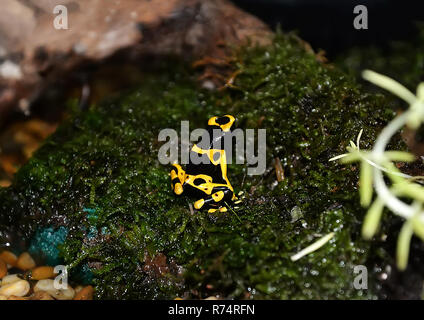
point(34, 55)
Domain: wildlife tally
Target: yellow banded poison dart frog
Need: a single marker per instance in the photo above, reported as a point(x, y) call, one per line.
point(207, 181)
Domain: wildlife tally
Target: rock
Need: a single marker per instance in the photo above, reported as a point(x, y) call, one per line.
point(9, 257)
point(85, 293)
point(11, 278)
point(3, 269)
point(64, 294)
point(19, 288)
point(41, 295)
point(25, 262)
point(36, 55)
point(47, 285)
point(78, 288)
point(43, 272)
point(17, 298)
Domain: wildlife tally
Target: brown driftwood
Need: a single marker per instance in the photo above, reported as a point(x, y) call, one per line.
point(33, 54)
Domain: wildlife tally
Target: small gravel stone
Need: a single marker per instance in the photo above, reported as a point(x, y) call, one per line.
point(3, 269)
point(10, 278)
point(44, 272)
point(41, 295)
point(17, 298)
point(9, 257)
point(25, 262)
point(18, 289)
point(47, 285)
point(78, 288)
point(85, 293)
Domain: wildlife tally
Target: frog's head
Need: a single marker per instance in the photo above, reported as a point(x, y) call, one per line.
point(224, 122)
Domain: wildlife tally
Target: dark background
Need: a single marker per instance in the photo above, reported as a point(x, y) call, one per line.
point(328, 24)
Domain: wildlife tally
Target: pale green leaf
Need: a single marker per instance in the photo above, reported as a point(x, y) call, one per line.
point(358, 139)
point(418, 226)
point(365, 184)
point(399, 156)
point(313, 247)
point(394, 173)
point(351, 157)
point(338, 157)
point(420, 91)
point(390, 85)
point(414, 118)
point(372, 219)
point(411, 190)
point(403, 244)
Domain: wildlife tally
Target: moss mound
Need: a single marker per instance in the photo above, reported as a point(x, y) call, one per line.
point(99, 177)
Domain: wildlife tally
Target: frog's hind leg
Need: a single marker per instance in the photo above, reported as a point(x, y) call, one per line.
point(220, 209)
point(177, 178)
point(216, 200)
point(236, 200)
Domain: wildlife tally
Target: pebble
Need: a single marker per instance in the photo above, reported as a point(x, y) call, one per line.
point(18, 288)
point(3, 269)
point(25, 262)
point(10, 278)
point(47, 285)
point(9, 257)
point(17, 298)
point(78, 288)
point(13, 287)
point(41, 295)
point(41, 273)
point(85, 293)
point(44, 285)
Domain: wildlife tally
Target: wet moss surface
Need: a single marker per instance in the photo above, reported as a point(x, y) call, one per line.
point(98, 176)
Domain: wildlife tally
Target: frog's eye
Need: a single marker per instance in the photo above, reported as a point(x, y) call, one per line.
point(225, 122)
point(198, 181)
point(222, 120)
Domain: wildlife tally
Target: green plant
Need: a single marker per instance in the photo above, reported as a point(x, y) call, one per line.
point(377, 163)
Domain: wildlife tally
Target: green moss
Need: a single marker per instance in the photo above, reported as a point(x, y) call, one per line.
point(105, 160)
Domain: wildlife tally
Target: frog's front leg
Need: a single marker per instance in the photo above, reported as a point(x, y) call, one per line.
point(177, 178)
point(216, 201)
